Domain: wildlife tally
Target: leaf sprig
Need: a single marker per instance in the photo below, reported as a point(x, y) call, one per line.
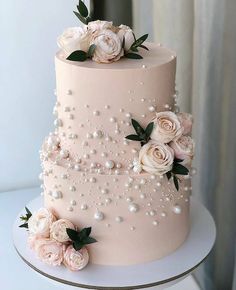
point(83, 13)
point(80, 55)
point(132, 53)
point(143, 135)
point(80, 238)
point(177, 169)
point(25, 218)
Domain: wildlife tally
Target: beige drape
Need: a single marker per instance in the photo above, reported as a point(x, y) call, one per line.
point(203, 33)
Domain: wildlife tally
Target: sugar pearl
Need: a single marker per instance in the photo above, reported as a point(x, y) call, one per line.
point(57, 194)
point(142, 195)
point(119, 219)
point(92, 180)
point(99, 216)
point(133, 208)
point(69, 92)
point(83, 206)
point(64, 153)
point(151, 109)
point(73, 202)
point(96, 113)
point(155, 223)
point(112, 119)
point(98, 134)
point(58, 123)
point(108, 200)
point(72, 188)
point(177, 209)
point(163, 214)
point(109, 164)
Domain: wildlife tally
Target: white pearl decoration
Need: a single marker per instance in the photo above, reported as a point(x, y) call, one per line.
point(72, 188)
point(57, 194)
point(104, 191)
point(112, 119)
point(99, 216)
point(151, 109)
point(133, 207)
point(119, 219)
point(83, 206)
point(77, 167)
point(163, 214)
point(143, 196)
point(64, 153)
point(155, 223)
point(70, 208)
point(98, 134)
point(109, 164)
point(58, 123)
point(73, 202)
point(177, 209)
point(108, 200)
point(69, 92)
point(144, 66)
point(92, 179)
point(96, 113)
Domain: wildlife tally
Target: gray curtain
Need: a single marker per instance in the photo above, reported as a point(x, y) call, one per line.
point(204, 35)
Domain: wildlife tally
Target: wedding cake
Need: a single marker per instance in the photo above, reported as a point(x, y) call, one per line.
point(119, 160)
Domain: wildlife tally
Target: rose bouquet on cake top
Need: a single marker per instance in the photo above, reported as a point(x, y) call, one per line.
point(99, 40)
point(166, 145)
point(57, 241)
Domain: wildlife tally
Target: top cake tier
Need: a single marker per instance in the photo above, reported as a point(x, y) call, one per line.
point(97, 101)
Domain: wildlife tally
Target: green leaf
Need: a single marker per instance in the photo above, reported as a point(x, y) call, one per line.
point(25, 225)
point(148, 130)
point(77, 245)
point(144, 47)
point(180, 169)
point(137, 127)
point(176, 182)
point(89, 240)
point(91, 50)
point(168, 174)
point(81, 18)
point(133, 137)
point(89, 19)
point(78, 55)
point(134, 49)
point(133, 55)
point(72, 234)
point(28, 211)
point(84, 233)
point(140, 40)
point(178, 160)
point(123, 43)
point(82, 9)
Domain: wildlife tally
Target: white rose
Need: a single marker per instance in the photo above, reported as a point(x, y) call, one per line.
point(74, 38)
point(167, 127)
point(58, 230)
point(40, 222)
point(125, 32)
point(50, 251)
point(156, 157)
point(186, 121)
point(183, 148)
point(108, 46)
point(94, 26)
point(75, 260)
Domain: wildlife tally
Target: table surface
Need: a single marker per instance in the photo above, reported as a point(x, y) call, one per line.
point(14, 273)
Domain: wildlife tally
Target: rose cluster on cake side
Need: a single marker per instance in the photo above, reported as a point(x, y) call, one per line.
point(166, 145)
point(99, 40)
point(57, 241)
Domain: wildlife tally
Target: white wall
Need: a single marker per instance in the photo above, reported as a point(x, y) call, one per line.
point(28, 31)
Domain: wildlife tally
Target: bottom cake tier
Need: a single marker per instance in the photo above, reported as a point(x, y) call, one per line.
point(134, 218)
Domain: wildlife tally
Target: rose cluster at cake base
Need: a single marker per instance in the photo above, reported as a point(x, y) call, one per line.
point(57, 241)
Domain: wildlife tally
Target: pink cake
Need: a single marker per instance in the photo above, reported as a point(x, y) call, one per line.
point(119, 158)
point(136, 217)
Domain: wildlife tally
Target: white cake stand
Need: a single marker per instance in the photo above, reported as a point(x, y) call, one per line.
point(160, 273)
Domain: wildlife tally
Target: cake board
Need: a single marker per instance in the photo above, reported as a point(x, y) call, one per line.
point(158, 274)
